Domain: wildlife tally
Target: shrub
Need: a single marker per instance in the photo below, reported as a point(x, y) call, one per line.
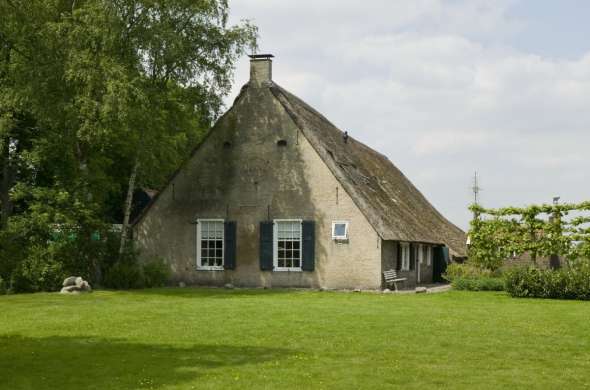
point(38, 272)
point(124, 275)
point(156, 273)
point(478, 284)
point(465, 270)
point(3, 287)
point(570, 283)
point(473, 278)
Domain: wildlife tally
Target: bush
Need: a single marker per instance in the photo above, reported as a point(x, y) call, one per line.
point(465, 270)
point(3, 287)
point(570, 283)
point(128, 273)
point(124, 275)
point(478, 284)
point(38, 272)
point(156, 273)
point(473, 278)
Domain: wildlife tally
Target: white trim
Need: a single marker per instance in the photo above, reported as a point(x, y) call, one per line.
point(198, 236)
point(345, 236)
point(405, 248)
point(275, 246)
point(420, 253)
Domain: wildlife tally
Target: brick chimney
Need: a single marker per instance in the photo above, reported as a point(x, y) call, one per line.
point(260, 68)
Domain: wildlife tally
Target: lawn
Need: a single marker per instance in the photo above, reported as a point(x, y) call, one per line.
point(215, 338)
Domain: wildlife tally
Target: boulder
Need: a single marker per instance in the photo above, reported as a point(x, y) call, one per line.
point(229, 286)
point(79, 286)
point(356, 290)
point(69, 281)
point(386, 291)
point(67, 290)
point(181, 284)
point(421, 290)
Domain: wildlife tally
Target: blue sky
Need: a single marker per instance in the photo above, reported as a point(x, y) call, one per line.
point(556, 28)
point(445, 88)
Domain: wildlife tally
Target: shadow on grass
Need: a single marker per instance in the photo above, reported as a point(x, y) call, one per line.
point(95, 363)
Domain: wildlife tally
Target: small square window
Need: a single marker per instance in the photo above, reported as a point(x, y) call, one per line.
point(340, 230)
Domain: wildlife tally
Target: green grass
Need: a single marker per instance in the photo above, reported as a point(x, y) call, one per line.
point(214, 338)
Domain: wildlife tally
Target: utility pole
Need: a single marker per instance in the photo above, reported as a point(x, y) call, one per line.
point(475, 188)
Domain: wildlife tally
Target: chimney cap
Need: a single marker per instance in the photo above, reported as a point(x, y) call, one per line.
point(261, 56)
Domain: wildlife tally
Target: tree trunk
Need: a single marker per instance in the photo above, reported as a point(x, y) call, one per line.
point(5, 185)
point(127, 206)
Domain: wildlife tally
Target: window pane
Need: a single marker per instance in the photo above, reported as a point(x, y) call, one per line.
point(339, 229)
point(288, 244)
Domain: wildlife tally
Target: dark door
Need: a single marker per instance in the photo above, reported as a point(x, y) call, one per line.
point(439, 264)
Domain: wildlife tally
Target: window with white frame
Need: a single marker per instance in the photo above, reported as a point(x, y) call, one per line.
point(287, 245)
point(428, 255)
point(405, 247)
point(340, 230)
point(210, 237)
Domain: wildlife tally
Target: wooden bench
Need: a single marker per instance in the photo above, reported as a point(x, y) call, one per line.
point(391, 278)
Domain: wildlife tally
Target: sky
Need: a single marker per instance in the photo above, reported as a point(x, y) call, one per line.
point(445, 88)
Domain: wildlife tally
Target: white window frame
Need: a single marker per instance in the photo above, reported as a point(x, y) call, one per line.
point(210, 267)
point(275, 246)
point(429, 255)
point(420, 253)
point(341, 238)
point(405, 248)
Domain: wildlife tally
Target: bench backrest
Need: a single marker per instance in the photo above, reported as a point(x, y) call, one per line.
point(390, 275)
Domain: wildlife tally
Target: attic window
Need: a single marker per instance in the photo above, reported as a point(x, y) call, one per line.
point(227, 145)
point(282, 142)
point(340, 230)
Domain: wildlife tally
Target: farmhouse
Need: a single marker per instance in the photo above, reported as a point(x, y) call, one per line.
point(277, 196)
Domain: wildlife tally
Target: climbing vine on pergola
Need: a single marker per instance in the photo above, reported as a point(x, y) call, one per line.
point(539, 230)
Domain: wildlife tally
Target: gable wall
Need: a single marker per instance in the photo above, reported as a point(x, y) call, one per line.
point(253, 181)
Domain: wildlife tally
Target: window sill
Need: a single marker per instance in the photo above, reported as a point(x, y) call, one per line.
point(280, 269)
point(340, 240)
point(210, 268)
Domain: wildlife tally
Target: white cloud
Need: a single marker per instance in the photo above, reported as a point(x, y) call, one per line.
point(436, 86)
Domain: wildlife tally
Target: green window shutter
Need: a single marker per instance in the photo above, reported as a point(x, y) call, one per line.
point(398, 265)
point(412, 257)
point(308, 250)
point(266, 246)
point(229, 245)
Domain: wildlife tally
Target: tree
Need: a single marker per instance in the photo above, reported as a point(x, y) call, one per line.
point(185, 54)
point(100, 96)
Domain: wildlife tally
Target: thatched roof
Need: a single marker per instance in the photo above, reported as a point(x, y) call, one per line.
point(390, 202)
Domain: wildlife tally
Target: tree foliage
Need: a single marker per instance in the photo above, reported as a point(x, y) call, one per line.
point(539, 230)
point(92, 93)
